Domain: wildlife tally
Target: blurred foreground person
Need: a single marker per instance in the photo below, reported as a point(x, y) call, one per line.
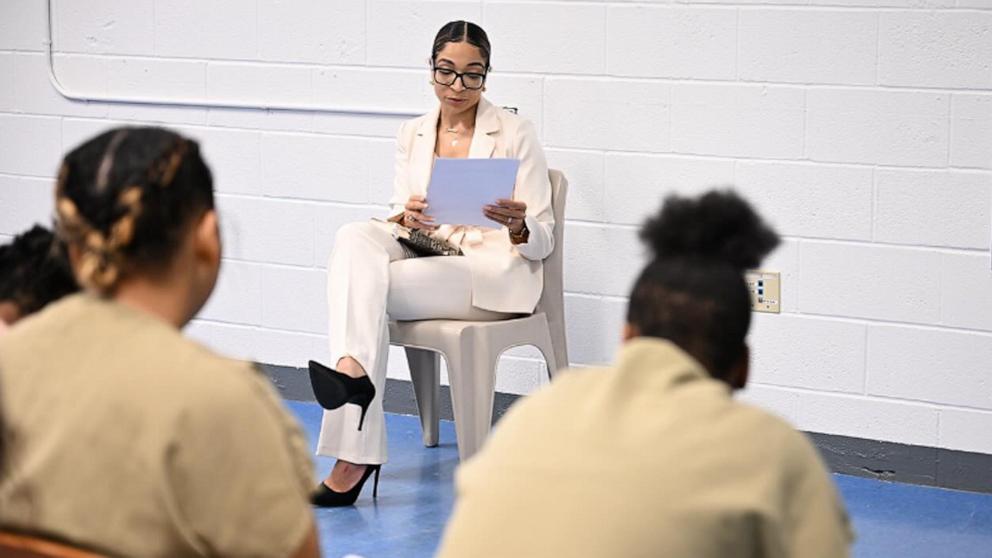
point(653, 457)
point(34, 271)
point(124, 436)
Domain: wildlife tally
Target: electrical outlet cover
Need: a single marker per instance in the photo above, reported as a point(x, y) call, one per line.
point(766, 290)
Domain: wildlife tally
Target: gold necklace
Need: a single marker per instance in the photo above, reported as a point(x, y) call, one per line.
point(454, 142)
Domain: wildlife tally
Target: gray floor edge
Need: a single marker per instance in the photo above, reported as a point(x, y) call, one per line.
point(959, 470)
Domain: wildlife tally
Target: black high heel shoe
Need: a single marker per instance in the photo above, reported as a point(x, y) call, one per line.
point(326, 497)
point(333, 389)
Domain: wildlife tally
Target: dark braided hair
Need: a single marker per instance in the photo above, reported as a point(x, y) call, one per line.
point(462, 31)
point(693, 291)
point(34, 271)
point(125, 199)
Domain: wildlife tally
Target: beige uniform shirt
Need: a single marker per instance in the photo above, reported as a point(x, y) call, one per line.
point(128, 438)
point(651, 458)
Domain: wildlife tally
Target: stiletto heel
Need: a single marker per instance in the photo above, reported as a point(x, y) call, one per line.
point(326, 497)
point(333, 389)
point(365, 409)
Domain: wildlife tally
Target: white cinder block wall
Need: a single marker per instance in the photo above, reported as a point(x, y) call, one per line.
point(861, 128)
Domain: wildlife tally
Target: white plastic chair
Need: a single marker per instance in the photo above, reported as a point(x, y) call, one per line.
point(471, 349)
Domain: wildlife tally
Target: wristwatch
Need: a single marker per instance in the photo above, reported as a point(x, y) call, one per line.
point(520, 237)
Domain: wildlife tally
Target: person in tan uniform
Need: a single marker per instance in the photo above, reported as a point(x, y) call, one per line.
point(124, 436)
point(652, 456)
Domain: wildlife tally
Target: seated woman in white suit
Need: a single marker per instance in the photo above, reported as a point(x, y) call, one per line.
point(372, 278)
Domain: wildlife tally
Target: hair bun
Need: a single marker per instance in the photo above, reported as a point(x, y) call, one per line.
point(718, 226)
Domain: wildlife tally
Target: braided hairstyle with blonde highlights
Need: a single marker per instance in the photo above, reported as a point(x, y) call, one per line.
point(124, 200)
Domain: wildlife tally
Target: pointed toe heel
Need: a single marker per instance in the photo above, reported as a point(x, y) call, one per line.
point(332, 389)
point(326, 497)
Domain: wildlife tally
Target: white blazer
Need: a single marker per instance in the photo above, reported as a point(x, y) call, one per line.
point(505, 278)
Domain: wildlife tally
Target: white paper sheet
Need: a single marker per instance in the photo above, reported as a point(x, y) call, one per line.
point(460, 188)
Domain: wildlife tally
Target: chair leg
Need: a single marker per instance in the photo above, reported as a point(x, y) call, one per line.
point(546, 346)
point(425, 373)
point(472, 374)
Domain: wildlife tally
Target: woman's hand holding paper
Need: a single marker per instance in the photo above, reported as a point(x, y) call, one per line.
point(413, 214)
point(509, 213)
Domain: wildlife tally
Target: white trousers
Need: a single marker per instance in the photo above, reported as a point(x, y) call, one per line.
point(371, 279)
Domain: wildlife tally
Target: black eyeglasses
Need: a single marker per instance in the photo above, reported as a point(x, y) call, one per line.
point(470, 80)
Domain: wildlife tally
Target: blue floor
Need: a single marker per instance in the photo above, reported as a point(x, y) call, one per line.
point(415, 498)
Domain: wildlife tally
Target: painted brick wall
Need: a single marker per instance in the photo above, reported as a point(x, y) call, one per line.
point(861, 128)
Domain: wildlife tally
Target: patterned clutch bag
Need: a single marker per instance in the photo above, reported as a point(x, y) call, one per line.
point(421, 243)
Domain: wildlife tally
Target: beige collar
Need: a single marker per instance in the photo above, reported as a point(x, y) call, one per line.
point(658, 362)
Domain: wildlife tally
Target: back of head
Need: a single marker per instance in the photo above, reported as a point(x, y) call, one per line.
point(34, 271)
point(693, 291)
point(125, 200)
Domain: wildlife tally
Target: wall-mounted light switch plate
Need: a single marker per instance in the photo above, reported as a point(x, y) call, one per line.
point(766, 290)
